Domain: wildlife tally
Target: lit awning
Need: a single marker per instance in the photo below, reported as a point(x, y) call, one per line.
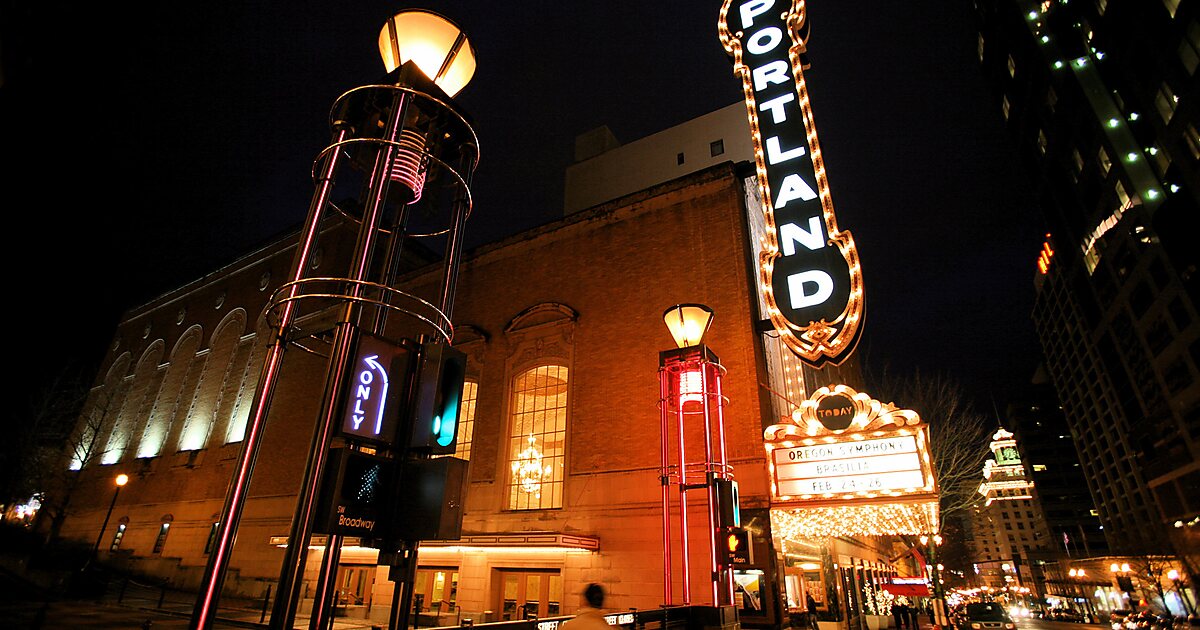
point(546, 541)
point(908, 589)
point(525, 540)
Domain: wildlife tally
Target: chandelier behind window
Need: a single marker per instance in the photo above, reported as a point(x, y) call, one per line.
point(528, 471)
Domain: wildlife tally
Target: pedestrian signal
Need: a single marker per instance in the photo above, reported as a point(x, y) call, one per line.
point(738, 546)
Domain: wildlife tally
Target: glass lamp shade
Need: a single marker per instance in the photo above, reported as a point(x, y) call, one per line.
point(438, 47)
point(688, 323)
point(121, 479)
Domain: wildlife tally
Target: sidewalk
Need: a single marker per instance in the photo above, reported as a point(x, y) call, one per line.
point(134, 605)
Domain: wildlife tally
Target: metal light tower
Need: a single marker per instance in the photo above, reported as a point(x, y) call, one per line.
point(690, 387)
point(390, 143)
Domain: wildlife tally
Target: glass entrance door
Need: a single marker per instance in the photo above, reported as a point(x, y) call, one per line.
point(438, 587)
point(354, 584)
point(529, 593)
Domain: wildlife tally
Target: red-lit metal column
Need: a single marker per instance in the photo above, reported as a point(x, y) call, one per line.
point(664, 390)
point(690, 387)
point(235, 498)
point(715, 398)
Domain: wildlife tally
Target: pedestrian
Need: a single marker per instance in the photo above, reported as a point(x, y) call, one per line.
point(591, 615)
point(811, 604)
point(899, 614)
point(914, 617)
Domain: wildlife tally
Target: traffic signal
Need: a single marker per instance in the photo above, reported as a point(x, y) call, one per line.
point(737, 545)
point(355, 491)
point(438, 398)
point(728, 512)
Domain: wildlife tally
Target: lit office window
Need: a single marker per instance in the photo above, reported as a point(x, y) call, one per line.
point(1166, 101)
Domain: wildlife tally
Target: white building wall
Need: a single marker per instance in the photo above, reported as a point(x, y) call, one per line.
point(655, 159)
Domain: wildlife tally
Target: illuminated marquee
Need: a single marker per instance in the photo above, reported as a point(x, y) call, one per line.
point(849, 464)
point(811, 279)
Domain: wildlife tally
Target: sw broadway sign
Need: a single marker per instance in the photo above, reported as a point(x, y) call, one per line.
point(811, 279)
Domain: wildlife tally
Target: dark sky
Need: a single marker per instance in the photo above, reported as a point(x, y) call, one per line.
point(155, 143)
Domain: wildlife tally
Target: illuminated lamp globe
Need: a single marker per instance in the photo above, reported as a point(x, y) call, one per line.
point(435, 44)
point(688, 323)
point(121, 480)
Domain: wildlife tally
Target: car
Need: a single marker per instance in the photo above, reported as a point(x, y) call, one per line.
point(985, 616)
point(1121, 620)
point(1066, 614)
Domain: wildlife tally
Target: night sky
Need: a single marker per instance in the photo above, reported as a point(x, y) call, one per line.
point(155, 143)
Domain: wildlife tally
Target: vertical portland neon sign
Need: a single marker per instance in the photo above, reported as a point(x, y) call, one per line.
point(811, 279)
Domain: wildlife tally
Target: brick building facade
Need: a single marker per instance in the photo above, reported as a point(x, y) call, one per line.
point(562, 326)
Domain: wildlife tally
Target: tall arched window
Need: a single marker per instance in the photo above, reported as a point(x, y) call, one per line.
point(466, 423)
point(537, 438)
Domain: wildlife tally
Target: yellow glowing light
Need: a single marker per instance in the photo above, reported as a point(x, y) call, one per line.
point(875, 519)
point(435, 44)
point(121, 480)
point(688, 323)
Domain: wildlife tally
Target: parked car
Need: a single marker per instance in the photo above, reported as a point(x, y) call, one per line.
point(1120, 620)
point(1066, 614)
point(985, 616)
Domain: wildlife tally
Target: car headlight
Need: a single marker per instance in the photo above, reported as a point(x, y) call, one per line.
point(976, 626)
point(1010, 625)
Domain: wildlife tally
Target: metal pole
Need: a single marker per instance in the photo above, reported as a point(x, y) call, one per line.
point(719, 397)
point(284, 613)
point(410, 576)
point(683, 517)
point(266, 601)
point(322, 613)
point(235, 497)
point(710, 491)
point(454, 244)
point(108, 515)
point(664, 389)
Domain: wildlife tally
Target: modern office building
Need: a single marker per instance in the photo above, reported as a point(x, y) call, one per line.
point(1052, 464)
point(1101, 99)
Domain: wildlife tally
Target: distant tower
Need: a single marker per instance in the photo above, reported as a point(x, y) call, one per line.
point(1007, 522)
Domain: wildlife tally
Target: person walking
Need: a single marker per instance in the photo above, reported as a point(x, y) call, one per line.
point(914, 617)
point(900, 614)
point(811, 613)
point(591, 615)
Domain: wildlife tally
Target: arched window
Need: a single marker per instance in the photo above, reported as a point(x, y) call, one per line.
point(537, 438)
point(466, 423)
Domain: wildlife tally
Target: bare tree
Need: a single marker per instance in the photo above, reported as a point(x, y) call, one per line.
point(63, 429)
point(958, 435)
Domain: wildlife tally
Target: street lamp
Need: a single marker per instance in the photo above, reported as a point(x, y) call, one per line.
point(1081, 587)
point(120, 482)
point(940, 617)
point(1173, 575)
point(387, 141)
point(1124, 583)
point(690, 387)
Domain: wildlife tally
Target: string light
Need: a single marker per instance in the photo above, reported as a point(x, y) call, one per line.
point(875, 519)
